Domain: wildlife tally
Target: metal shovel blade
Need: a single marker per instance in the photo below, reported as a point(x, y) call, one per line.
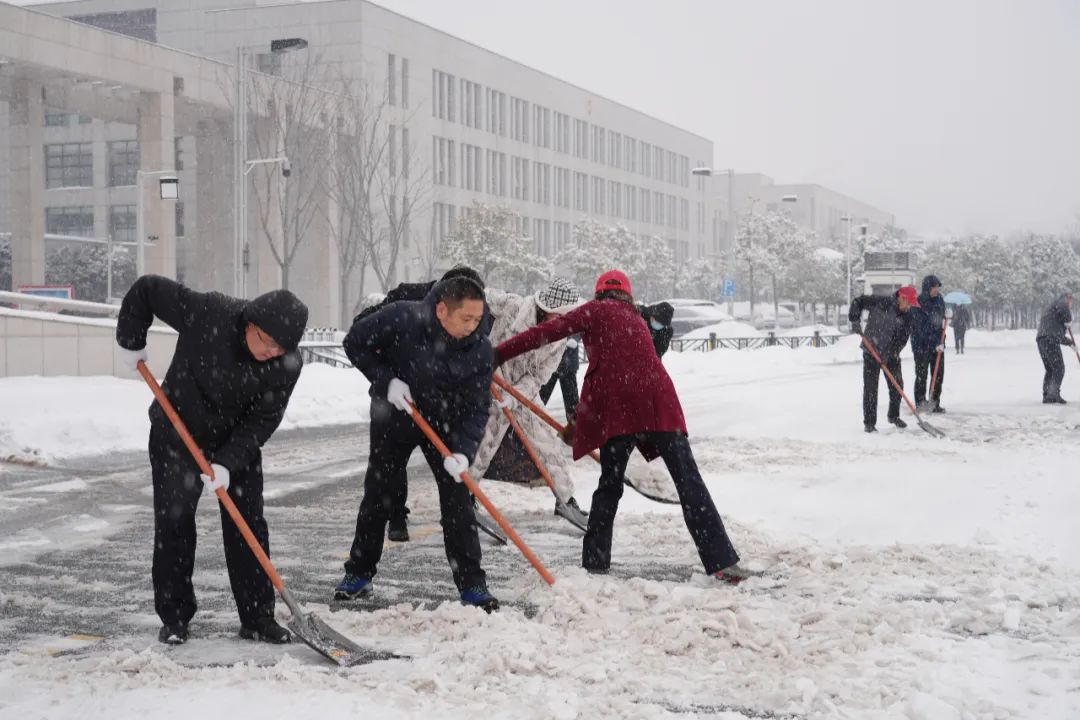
point(334, 646)
point(927, 406)
point(927, 427)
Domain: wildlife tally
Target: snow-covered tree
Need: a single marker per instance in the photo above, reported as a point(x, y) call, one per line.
point(488, 239)
point(86, 268)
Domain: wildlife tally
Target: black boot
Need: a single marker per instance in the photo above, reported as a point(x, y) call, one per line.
point(173, 634)
point(938, 409)
point(869, 428)
point(267, 630)
point(898, 423)
point(397, 529)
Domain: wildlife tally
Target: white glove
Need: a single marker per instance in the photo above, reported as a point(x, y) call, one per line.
point(456, 464)
point(939, 348)
point(220, 479)
point(399, 395)
point(130, 358)
point(504, 403)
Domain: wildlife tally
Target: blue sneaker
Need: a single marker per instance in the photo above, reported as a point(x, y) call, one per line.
point(352, 587)
point(478, 596)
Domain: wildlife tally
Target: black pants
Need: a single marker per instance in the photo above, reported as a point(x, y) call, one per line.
point(871, 374)
point(393, 438)
point(177, 489)
point(702, 520)
point(1050, 352)
point(959, 336)
point(924, 369)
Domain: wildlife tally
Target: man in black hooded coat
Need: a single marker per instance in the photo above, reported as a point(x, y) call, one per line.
point(235, 366)
point(927, 346)
point(1051, 335)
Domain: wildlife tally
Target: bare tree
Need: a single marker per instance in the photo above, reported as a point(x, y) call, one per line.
point(294, 109)
point(377, 189)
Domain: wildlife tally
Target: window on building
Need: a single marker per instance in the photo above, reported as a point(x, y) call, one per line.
point(581, 139)
point(541, 183)
point(519, 119)
point(615, 199)
point(519, 179)
point(123, 162)
point(562, 187)
point(673, 167)
point(496, 114)
point(122, 223)
point(443, 223)
point(684, 214)
point(658, 163)
point(391, 150)
point(598, 147)
point(672, 211)
point(442, 95)
point(646, 206)
point(443, 161)
point(562, 133)
point(615, 149)
point(404, 82)
point(631, 202)
point(646, 159)
point(562, 236)
point(69, 165)
point(178, 153)
point(658, 208)
point(541, 126)
point(53, 119)
point(581, 192)
point(391, 79)
point(496, 173)
point(471, 114)
point(180, 230)
point(542, 237)
point(471, 171)
point(684, 171)
point(630, 158)
point(406, 153)
point(77, 221)
point(598, 200)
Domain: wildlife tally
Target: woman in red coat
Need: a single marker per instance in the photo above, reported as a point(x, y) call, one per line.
point(628, 401)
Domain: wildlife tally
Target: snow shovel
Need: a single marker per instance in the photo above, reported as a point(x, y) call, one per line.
point(657, 492)
point(914, 411)
point(479, 495)
point(1075, 349)
point(574, 518)
point(929, 404)
point(319, 636)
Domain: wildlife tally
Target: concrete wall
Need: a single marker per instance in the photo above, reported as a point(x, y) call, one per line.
point(33, 343)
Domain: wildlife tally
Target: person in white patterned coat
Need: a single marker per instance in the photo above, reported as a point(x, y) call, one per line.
point(514, 314)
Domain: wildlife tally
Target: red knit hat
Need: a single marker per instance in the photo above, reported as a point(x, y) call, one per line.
point(613, 280)
point(909, 293)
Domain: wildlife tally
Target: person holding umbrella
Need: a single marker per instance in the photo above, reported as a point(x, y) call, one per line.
point(961, 319)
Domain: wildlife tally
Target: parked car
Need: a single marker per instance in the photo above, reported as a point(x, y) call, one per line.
point(691, 314)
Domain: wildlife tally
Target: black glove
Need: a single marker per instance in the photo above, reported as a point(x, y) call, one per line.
point(856, 328)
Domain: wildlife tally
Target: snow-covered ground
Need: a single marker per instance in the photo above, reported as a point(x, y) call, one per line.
point(909, 577)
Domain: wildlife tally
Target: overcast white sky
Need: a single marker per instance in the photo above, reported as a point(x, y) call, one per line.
point(955, 115)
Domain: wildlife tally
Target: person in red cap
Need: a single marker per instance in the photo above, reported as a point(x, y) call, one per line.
point(888, 328)
point(628, 401)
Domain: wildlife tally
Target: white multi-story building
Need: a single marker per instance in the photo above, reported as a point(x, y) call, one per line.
point(491, 130)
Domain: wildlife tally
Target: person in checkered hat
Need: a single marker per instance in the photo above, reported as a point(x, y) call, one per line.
point(628, 401)
point(515, 314)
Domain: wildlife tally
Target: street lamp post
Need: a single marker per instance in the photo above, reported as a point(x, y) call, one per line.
point(168, 189)
point(729, 259)
point(240, 161)
point(847, 219)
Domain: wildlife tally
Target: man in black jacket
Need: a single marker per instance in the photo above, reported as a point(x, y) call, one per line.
point(888, 329)
point(435, 349)
point(397, 528)
point(230, 379)
point(927, 321)
point(1051, 335)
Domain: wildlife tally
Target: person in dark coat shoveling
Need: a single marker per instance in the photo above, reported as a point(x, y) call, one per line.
point(888, 329)
point(230, 379)
point(927, 342)
point(1051, 335)
point(628, 401)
